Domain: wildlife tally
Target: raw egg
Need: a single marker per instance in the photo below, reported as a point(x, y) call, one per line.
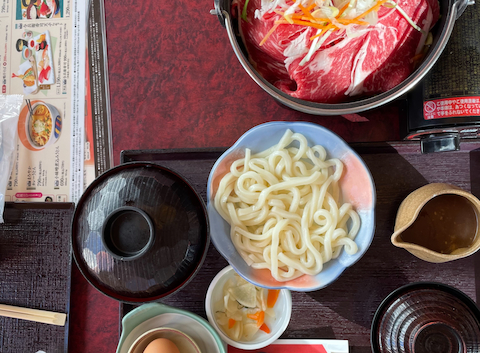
point(161, 345)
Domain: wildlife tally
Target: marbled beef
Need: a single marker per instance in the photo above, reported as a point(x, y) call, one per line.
point(373, 62)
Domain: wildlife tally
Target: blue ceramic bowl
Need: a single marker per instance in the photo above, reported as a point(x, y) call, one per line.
point(357, 188)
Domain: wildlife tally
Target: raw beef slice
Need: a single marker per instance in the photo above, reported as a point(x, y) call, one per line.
point(372, 63)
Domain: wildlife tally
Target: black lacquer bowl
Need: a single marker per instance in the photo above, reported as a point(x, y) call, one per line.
point(140, 232)
point(426, 317)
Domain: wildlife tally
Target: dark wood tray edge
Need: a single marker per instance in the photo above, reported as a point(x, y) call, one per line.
point(359, 147)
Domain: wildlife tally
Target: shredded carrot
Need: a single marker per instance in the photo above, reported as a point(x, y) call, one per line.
point(272, 297)
point(303, 23)
point(344, 21)
point(305, 18)
point(265, 328)
point(231, 323)
point(342, 10)
point(294, 16)
point(307, 13)
point(329, 27)
point(269, 33)
point(373, 8)
point(307, 23)
point(311, 6)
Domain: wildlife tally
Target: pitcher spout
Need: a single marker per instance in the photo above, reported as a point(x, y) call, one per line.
point(438, 223)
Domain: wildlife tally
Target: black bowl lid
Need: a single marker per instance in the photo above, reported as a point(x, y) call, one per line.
point(140, 232)
point(426, 317)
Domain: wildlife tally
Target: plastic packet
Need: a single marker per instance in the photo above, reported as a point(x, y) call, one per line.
point(9, 112)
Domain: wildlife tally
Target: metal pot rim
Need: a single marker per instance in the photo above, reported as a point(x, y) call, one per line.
point(447, 24)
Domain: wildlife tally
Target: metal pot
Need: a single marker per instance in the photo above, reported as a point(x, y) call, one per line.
point(450, 11)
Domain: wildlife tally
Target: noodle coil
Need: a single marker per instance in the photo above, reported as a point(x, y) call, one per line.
point(284, 209)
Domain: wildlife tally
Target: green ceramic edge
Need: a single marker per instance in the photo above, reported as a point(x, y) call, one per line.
point(148, 311)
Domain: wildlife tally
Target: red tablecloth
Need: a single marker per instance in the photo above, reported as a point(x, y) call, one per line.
point(176, 83)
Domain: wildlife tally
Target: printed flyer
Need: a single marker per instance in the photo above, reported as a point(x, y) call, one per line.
point(44, 59)
point(300, 346)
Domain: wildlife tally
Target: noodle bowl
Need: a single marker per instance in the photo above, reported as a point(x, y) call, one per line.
point(294, 215)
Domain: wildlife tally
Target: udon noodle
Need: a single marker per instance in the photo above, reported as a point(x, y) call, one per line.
point(40, 125)
point(283, 205)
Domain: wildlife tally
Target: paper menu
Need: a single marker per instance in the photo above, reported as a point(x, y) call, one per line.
point(44, 59)
point(300, 346)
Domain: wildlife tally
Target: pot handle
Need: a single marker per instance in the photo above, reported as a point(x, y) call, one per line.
point(461, 5)
point(222, 9)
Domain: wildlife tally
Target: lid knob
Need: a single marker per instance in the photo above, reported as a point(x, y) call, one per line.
point(127, 233)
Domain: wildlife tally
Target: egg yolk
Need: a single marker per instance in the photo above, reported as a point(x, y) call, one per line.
point(161, 345)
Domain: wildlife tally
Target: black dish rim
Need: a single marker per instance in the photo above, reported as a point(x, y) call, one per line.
point(415, 286)
point(77, 256)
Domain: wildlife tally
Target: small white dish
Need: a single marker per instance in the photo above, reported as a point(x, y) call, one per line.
point(283, 312)
point(184, 343)
point(154, 315)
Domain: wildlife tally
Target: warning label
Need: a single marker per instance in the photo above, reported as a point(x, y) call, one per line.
point(451, 108)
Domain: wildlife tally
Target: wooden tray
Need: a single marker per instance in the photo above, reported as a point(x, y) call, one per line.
point(345, 309)
point(35, 272)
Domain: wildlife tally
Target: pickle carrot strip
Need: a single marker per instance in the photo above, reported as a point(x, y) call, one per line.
point(265, 328)
point(272, 297)
point(259, 317)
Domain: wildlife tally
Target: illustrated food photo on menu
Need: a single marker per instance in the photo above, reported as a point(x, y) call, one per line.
point(328, 51)
point(285, 211)
point(36, 65)
point(39, 9)
point(39, 125)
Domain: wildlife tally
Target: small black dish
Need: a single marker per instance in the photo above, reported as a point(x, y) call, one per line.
point(140, 232)
point(426, 317)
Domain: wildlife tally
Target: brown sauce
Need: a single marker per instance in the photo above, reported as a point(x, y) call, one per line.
point(445, 223)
